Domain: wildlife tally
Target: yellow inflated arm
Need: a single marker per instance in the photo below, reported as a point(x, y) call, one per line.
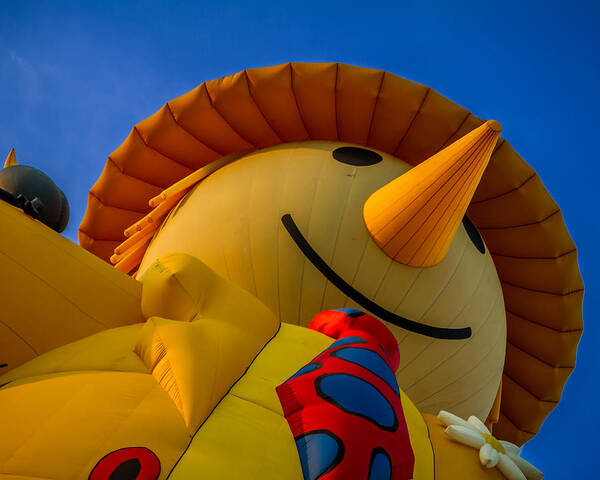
point(210, 333)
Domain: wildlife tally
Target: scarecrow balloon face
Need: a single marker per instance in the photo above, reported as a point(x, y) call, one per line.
point(317, 225)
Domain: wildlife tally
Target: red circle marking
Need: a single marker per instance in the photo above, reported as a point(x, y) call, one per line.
point(149, 463)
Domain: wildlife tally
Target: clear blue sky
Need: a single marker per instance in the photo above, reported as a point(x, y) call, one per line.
point(76, 76)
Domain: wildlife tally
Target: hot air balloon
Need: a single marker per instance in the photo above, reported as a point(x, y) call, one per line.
point(322, 271)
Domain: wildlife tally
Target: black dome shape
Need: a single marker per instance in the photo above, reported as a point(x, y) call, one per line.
point(35, 192)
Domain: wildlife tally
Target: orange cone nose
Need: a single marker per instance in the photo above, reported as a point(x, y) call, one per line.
point(414, 218)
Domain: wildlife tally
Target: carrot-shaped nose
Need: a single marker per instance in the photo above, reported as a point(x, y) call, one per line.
point(414, 218)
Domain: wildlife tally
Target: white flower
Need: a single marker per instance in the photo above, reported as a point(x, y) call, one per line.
point(492, 452)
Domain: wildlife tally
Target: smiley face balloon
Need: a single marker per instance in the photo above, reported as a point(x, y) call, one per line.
point(322, 186)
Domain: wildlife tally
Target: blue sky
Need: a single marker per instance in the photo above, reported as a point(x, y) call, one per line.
point(76, 76)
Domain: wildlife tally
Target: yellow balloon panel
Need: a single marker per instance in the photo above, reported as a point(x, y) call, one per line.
point(241, 440)
point(108, 350)
point(83, 417)
point(54, 291)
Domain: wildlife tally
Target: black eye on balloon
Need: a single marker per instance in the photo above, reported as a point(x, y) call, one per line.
point(359, 157)
point(474, 234)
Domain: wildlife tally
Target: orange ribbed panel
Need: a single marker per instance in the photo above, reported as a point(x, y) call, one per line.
point(414, 218)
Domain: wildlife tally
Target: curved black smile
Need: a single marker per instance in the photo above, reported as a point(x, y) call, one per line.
point(347, 289)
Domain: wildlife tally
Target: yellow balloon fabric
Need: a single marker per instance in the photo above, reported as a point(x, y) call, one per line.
point(198, 391)
point(54, 292)
point(148, 384)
